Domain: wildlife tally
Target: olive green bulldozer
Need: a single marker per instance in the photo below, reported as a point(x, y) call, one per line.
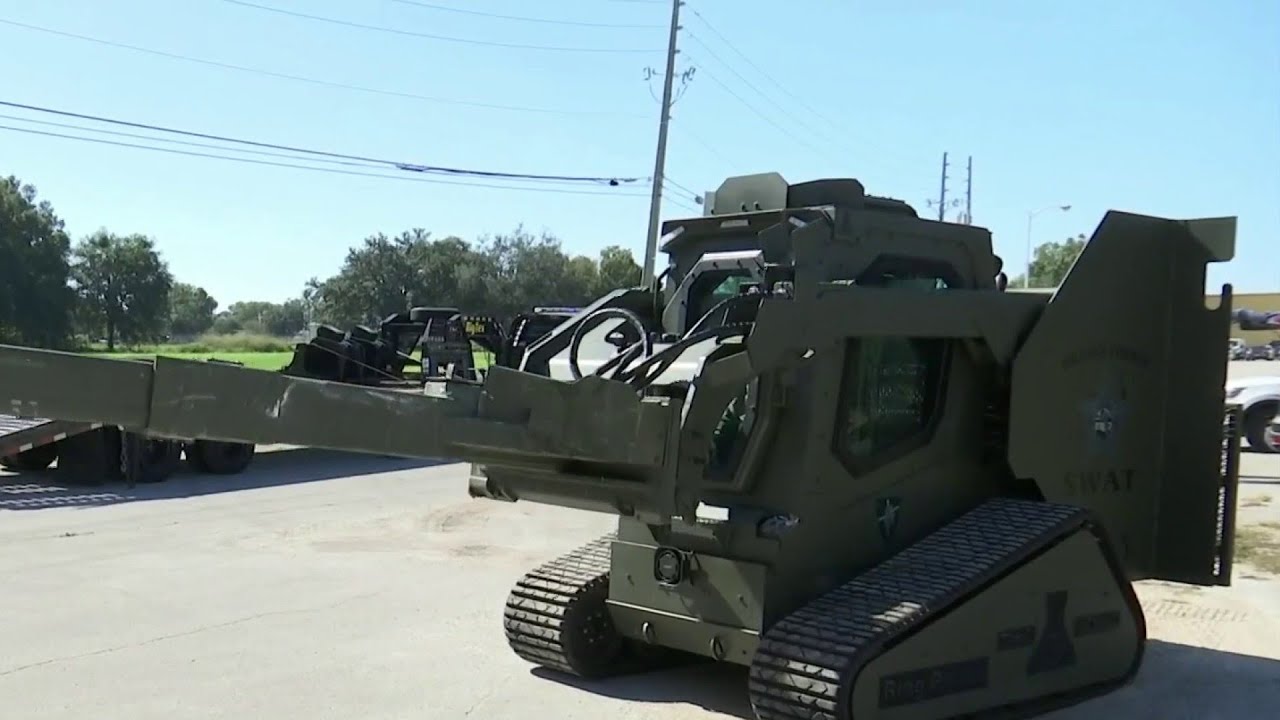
point(842, 453)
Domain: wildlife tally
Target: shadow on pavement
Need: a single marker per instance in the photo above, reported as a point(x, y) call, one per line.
point(715, 687)
point(289, 466)
point(1185, 682)
point(1176, 682)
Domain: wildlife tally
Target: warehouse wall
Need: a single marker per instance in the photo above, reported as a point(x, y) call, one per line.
point(1269, 302)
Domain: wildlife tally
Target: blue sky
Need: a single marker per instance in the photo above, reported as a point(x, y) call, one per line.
point(1166, 107)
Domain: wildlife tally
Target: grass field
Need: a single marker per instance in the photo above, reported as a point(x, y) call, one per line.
point(254, 351)
point(256, 360)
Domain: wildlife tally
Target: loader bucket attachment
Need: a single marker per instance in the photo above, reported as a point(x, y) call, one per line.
point(1118, 406)
point(593, 435)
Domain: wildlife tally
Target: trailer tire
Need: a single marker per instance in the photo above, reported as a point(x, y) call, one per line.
point(160, 459)
point(33, 460)
point(220, 458)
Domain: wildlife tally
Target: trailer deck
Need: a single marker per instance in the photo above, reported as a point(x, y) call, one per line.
point(18, 434)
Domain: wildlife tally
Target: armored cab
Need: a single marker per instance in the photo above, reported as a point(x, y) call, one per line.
point(839, 452)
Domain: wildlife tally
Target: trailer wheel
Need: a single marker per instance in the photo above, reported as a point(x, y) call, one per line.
point(220, 458)
point(160, 459)
point(33, 460)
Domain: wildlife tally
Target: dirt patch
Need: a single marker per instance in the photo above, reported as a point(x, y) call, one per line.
point(458, 518)
point(472, 551)
point(1259, 546)
point(1258, 501)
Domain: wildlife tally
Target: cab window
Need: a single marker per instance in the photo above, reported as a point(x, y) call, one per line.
point(711, 288)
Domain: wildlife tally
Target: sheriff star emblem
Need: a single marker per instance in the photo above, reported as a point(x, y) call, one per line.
point(1103, 415)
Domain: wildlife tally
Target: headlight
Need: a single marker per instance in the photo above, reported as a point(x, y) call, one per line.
point(668, 566)
point(1232, 392)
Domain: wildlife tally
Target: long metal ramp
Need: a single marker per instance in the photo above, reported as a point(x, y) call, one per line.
point(512, 419)
point(18, 435)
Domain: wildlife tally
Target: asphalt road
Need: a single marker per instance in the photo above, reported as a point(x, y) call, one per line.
point(328, 586)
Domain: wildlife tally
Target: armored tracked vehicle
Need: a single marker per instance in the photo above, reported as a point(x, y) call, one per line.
point(840, 452)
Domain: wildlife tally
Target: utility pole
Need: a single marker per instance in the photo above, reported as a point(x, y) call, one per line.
point(660, 161)
point(942, 193)
point(968, 193)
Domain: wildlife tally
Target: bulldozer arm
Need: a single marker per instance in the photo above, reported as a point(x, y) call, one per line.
point(1118, 395)
point(593, 433)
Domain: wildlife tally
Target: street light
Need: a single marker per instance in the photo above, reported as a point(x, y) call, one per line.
point(1026, 278)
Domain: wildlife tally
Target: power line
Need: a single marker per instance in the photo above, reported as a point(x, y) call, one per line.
point(188, 143)
point(794, 97)
point(787, 109)
point(667, 179)
point(429, 36)
point(680, 198)
point(697, 139)
point(683, 205)
point(763, 116)
point(318, 81)
point(411, 178)
point(716, 56)
point(212, 146)
point(399, 165)
point(523, 18)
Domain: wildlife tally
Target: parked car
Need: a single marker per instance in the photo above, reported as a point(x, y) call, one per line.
point(1259, 352)
point(1271, 438)
point(1235, 349)
point(1259, 400)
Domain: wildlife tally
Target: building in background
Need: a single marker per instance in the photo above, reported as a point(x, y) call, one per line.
point(1262, 302)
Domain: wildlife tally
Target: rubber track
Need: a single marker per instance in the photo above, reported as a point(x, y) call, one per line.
point(801, 660)
point(536, 605)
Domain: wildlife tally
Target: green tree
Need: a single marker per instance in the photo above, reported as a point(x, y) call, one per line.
point(191, 310)
point(224, 323)
point(498, 275)
point(1051, 262)
point(286, 318)
point(618, 269)
point(529, 270)
point(262, 317)
point(382, 276)
point(36, 302)
point(123, 286)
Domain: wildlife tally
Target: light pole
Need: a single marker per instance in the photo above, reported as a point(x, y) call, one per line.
point(1026, 278)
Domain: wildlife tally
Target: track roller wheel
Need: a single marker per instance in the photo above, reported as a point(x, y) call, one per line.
point(556, 615)
point(567, 628)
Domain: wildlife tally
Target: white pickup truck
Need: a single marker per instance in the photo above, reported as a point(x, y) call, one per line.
point(1259, 400)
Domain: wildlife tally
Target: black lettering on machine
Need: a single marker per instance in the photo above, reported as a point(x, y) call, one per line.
point(1105, 481)
point(929, 683)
